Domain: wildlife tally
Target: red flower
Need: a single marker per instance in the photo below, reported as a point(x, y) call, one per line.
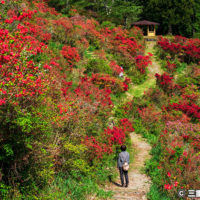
point(168, 174)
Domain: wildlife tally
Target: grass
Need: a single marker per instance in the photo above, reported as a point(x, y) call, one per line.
point(67, 189)
point(138, 91)
point(132, 152)
point(155, 194)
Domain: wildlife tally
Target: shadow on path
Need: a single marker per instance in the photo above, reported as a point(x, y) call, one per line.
point(113, 182)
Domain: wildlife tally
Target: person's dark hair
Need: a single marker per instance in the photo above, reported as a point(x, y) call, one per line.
point(123, 148)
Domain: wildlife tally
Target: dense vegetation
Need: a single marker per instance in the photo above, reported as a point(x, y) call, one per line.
point(59, 85)
point(168, 115)
point(63, 107)
point(176, 17)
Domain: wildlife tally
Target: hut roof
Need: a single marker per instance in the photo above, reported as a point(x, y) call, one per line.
point(145, 22)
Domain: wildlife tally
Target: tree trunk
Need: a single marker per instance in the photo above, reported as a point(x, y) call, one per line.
point(170, 29)
point(67, 3)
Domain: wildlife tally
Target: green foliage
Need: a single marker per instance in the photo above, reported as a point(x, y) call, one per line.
point(154, 194)
point(33, 168)
point(108, 24)
point(197, 35)
point(97, 65)
point(177, 17)
point(136, 76)
point(124, 12)
point(75, 156)
point(4, 191)
point(184, 80)
point(154, 173)
point(67, 188)
point(118, 12)
point(180, 67)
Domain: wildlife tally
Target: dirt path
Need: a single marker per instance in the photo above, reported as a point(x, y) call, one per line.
point(155, 67)
point(139, 182)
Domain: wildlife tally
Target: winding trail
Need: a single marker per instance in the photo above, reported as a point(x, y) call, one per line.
point(138, 90)
point(139, 182)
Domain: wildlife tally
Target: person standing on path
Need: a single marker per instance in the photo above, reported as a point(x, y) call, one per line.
point(122, 158)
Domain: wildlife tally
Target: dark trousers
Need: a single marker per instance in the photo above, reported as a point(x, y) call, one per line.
point(122, 174)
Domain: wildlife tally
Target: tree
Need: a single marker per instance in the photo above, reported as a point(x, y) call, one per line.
point(125, 12)
point(118, 11)
point(175, 16)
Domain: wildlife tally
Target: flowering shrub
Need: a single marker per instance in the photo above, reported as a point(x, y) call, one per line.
point(116, 69)
point(71, 55)
point(126, 126)
point(181, 47)
point(106, 81)
point(171, 67)
point(96, 149)
point(28, 78)
point(192, 110)
point(43, 7)
point(190, 93)
point(122, 46)
point(150, 116)
point(142, 62)
point(137, 33)
point(115, 136)
point(165, 81)
point(180, 146)
point(111, 137)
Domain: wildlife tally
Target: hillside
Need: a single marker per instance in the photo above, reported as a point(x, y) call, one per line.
point(65, 108)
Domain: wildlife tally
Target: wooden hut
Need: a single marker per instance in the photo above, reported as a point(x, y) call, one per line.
point(151, 31)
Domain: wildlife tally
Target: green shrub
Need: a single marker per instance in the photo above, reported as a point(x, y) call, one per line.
point(183, 81)
point(136, 76)
point(66, 188)
point(108, 24)
point(155, 194)
point(180, 66)
point(97, 65)
point(197, 35)
point(24, 158)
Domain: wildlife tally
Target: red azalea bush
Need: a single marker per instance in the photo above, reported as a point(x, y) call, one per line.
point(71, 55)
point(165, 81)
point(106, 81)
point(189, 49)
point(96, 149)
point(180, 147)
point(142, 63)
point(109, 138)
point(150, 116)
point(122, 46)
point(190, 109)
point(87, 90)
point(26, 77)
point(171, 67)
point(191, 93)
point(126, 126)
point(116, 68)
point(137, 33)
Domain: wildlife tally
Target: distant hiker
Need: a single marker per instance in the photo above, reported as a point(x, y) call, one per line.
point(121, 73)
point(123, 165)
